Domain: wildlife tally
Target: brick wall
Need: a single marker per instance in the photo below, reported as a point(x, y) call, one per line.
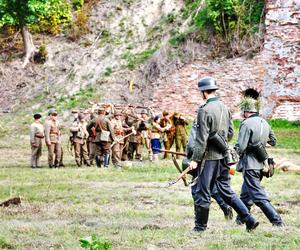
point(275, 72)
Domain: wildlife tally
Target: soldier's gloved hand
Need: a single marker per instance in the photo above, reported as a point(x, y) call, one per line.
point(48, 143)
point(193, 165)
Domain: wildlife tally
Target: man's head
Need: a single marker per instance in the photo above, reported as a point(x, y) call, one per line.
point(208, 86)
point(249, 106)
point(81, 117)
point(144, 114)
point(118, 115)
point(165, 114)
point(75, 113)
point(37, 117)
point(101, 110)
point(177, 115)
point(52, 114)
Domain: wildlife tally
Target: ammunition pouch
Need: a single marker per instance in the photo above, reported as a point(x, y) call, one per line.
point(185, 164)
point(218, 141)
point(231, 157)
point(269, 168)
point(259, 152)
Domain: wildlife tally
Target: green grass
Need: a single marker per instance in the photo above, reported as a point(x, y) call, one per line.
point(129, 208)
point(134, 60)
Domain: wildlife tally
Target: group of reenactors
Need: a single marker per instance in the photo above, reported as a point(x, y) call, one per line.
point(209, 159)
point(123, 133)
point(109, 133)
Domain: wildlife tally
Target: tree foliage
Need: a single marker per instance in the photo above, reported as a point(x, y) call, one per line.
point(48, 15)
point(233, 27)
point(227, 17)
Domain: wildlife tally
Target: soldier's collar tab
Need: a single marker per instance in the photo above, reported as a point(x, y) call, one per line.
point(212, 99)
point(254, 115)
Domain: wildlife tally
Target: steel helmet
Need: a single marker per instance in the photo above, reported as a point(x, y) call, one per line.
point(207, 83)
point(249, 105)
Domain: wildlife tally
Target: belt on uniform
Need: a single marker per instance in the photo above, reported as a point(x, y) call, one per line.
point(40, 136)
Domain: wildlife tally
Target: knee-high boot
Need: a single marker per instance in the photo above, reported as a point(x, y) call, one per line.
point(201, 218)
point(270, 213)
point(244, 214)
point(106, 160)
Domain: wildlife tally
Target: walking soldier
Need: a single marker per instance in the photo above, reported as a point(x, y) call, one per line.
point(214, 130)
point(254, 134)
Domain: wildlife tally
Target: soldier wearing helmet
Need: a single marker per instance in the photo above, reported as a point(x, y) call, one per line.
point(254, 134)
point(213, 118)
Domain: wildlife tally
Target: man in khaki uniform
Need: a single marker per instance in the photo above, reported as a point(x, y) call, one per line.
point(180, 134)
point(36, 136)
point(119, 130)
point(53, 140)
point(92, 148)
point(80, 140)
point(169, 135)
point(136, 140)
point(104, 137)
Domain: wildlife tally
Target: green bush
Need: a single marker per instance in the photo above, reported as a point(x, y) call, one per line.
point(229, 16)
point(93, 243)
point(133, 60)
point(77, 4)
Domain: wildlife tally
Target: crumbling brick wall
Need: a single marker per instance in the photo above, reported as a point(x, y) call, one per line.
point(275, 72)
point(281, 89)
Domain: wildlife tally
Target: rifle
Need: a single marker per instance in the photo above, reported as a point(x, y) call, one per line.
point(179, 170)
point(171, 152)
point(122, 138)
point(181, 176)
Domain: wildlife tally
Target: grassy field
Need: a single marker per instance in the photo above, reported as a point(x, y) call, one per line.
point(130, 208)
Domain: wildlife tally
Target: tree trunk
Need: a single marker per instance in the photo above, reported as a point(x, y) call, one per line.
point(29, 47)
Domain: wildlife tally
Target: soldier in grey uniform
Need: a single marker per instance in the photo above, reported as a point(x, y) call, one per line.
point(254, 132)
point(36, 136)
point(214, 118)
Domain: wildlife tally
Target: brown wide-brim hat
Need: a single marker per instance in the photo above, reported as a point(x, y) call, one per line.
point(118, 114)
point(165, 113)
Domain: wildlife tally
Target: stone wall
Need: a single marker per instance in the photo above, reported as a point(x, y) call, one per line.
point(281, 53)
point(179, 92)
point(275, 72)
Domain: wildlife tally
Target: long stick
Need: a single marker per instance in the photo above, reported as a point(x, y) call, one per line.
point(179, 169)
point(189, 168)
point(122, 138)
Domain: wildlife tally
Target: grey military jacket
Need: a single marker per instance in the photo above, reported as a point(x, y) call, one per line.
point(253, 130)
point(212, 116)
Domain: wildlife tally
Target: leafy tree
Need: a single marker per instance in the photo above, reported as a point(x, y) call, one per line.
point(23, 14)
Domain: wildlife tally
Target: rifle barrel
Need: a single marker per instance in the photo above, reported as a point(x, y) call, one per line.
point(171, 152)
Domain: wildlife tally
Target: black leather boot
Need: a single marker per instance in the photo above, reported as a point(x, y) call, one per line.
point(98, 161)
point(106, 160)
point(270, 213)
point(251, 223)
point(201, 218)
point(244, 214)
